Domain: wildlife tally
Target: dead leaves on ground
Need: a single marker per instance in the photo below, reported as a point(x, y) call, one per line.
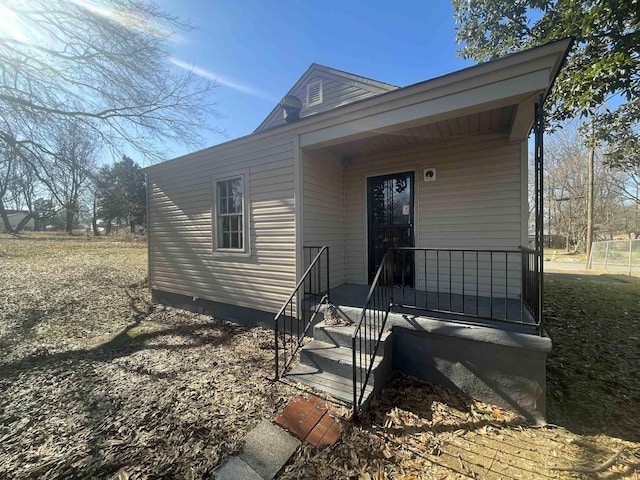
point(96, 383)
point(416, 430)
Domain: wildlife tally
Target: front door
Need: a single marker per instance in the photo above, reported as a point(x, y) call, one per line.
point(390, 220)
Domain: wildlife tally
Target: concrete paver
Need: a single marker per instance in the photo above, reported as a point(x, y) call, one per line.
point(268, 448)
point(234, 468)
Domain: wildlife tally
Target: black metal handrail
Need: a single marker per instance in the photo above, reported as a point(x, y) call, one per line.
point(498, 285)
point(531, 295)
point(300, 309)
point(367, 335)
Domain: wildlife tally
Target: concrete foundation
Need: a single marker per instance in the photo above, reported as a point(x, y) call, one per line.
point(507, 369)
point(222, 311)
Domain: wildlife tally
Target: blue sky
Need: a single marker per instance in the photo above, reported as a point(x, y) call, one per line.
point(258, 49)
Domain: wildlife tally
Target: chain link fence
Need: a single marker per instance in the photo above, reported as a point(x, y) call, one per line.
point(616, 255)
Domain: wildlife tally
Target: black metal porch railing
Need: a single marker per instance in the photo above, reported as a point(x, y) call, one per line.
point(296, 316)
point(531, 295)
point(497, 285)
point(367, 335)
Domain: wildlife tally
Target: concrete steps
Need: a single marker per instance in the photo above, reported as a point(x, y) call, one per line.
point(337, 386)
point(326, 363)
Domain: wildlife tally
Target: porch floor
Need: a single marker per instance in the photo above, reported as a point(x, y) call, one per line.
point(509, 314)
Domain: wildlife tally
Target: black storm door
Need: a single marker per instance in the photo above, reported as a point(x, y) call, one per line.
point(390, 220)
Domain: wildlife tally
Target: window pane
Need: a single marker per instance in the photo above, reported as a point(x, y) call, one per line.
point(237, 195)
point(236, 184)
point(229, 196)
point(402, 201)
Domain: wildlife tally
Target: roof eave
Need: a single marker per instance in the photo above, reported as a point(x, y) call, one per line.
point(554, 52)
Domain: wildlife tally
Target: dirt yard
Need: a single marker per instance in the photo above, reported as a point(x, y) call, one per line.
point(95, 382)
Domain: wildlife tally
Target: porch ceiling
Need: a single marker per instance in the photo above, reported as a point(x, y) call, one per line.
point(497, 120)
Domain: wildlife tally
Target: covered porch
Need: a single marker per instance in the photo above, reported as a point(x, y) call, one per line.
point(444, 176)
point(446, 200)
point(418, 209)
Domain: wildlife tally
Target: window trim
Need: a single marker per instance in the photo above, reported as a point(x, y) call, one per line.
point(320, 93)
point(246, 237)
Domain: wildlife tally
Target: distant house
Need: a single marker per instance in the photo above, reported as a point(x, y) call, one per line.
point(16, 216)
point(402, 211)
point(552, 237)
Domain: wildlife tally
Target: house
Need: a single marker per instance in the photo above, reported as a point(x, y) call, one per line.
point(387, 223)
point(18, 216)
point(552, 237)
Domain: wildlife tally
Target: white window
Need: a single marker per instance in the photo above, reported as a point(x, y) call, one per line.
point(230, 221)
point(314, 93)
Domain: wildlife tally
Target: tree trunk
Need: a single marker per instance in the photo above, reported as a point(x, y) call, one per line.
point(69, 221)
point(23, 223)
point(590, 196)
point(5, 218)
point(94, 219)
point(589, 239)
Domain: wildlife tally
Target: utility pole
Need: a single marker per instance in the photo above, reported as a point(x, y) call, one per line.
point(590, 190)
point(549, 233)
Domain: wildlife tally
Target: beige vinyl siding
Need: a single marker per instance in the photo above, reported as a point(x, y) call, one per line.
point(323, 217)
point(182, 259)
point(469, 275)
point(336, 91)
point(475, 203)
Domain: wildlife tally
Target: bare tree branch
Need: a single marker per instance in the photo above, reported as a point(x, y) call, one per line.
point(104, 64)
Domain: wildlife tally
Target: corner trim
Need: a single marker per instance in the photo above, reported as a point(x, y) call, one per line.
point(298, 196)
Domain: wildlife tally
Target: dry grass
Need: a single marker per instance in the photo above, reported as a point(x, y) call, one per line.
point(96, 382)
point(593, 371)
point(561, 255)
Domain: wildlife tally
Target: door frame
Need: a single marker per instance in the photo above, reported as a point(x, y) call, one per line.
point(400, 168)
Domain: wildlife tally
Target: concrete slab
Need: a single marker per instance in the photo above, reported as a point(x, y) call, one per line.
point(268, 448)
point(234, 468)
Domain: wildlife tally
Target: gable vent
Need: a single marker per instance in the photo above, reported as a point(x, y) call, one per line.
point(314, 93)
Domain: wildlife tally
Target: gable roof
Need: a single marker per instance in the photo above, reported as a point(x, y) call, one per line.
point(339, 88)
point(514, 80)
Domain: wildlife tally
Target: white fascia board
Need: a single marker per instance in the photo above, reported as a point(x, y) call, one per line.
point(523, 120)
point(465, 102)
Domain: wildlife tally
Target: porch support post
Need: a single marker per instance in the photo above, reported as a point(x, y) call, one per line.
point(538, 127)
